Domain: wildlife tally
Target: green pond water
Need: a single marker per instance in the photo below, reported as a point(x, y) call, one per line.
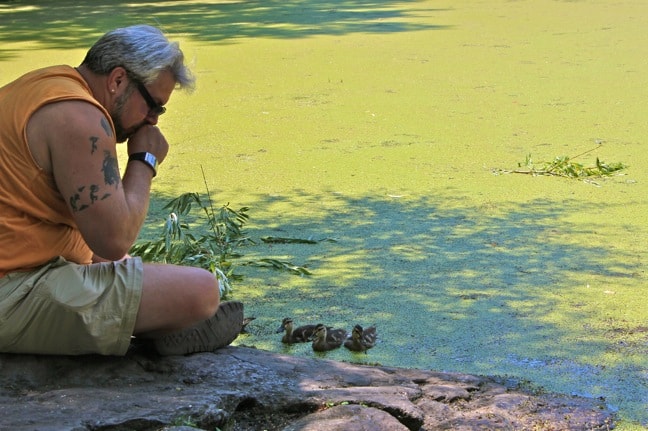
point(384, 127)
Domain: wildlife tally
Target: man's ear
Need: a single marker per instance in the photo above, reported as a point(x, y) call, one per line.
point(117, 79)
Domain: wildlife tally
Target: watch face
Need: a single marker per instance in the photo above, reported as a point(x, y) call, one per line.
point(150, 159)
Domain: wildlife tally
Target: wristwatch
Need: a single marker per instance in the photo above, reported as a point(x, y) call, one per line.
point(147, 158)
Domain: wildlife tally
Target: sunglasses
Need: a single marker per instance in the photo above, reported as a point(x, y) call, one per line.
point(155, 109)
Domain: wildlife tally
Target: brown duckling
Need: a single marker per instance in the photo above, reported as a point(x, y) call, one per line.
point(327, 338)
point(301, 334)
point(361, 339)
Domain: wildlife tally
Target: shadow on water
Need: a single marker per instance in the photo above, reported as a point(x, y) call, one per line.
point(485, 290)
point(64, 25)
point(496, 289)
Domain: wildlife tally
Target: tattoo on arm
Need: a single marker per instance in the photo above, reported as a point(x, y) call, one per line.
point(85, 196)
point(82, 198)
point(110, 169)
point(74, 201)
point(106, 126)
point(93, 144)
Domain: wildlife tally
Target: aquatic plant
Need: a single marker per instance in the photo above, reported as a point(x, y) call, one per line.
point(564, 166)
point(216, 245)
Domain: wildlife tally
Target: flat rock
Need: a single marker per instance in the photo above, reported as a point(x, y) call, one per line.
point(240, 388)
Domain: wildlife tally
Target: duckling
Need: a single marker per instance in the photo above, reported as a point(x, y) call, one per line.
point(327, 338)
point(361, 339)
point(332, 334)
point(300, 334)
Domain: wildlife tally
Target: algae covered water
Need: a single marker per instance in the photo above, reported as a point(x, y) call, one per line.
point(386, 130)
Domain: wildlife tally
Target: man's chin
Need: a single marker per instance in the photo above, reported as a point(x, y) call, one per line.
point(123, 136)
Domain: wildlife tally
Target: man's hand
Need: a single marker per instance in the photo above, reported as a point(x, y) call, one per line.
point(149, 139)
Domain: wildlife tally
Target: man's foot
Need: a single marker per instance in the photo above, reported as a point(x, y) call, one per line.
point(206, 336)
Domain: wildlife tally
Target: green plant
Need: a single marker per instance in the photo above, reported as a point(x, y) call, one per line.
point(330, 404)
point(184, 421)
point(564, 166)
point(215, 248)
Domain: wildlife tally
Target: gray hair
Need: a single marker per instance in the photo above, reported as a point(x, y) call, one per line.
point(143, 51)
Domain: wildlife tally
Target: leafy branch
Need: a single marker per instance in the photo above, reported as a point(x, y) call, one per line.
point(564, 166)
point(215, 248)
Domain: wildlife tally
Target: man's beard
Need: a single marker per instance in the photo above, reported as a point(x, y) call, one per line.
point(121, 134)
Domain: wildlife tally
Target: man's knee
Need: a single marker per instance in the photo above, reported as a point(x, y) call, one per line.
point(206, 293)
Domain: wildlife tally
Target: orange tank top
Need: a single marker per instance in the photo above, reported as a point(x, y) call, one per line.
point(35, 222)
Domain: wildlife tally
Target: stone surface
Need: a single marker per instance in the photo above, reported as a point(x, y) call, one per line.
point(240, 388)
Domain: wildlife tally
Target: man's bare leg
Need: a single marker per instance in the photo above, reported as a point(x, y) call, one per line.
point(181, 311)
point(175, 297)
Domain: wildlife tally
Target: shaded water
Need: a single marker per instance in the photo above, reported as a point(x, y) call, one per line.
point(379, 125)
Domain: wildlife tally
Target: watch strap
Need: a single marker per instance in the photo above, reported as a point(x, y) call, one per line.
point(147, 158)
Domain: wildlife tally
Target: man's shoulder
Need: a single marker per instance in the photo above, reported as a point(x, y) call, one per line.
point(49, 72)
point(64, 89)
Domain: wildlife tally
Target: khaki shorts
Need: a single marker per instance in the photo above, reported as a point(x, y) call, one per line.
point(69, 309)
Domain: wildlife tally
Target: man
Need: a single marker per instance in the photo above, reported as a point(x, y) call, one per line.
point(68, 219)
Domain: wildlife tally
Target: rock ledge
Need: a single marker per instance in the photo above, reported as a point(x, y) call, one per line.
point(240, 388)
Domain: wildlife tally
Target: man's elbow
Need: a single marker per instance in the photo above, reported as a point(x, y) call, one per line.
point(112, 251)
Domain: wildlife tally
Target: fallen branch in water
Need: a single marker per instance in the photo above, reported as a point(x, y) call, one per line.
point(564, 166)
